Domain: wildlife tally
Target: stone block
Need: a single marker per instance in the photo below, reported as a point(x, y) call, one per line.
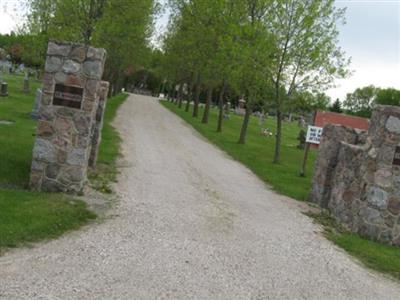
point(93, 69)
point(45, 129)
point(53, 64)
point(78, 53)
point(52, 170)
point(76, 157)
point(96, 54)
point(58, 49)
point(71, 67)
point(377, 197)
point(82, 124)
point(393, 125)
point(394, 205)
point(43, 150)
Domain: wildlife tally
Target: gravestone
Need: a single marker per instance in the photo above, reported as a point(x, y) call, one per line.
point(302, 140)
point(3, 89)
point(98, 126)
point(241, 109)
point(25, 88)
point(227, 110)
point(67, 114)
point(36, 106)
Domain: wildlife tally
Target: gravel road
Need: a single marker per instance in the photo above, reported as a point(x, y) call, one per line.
point(191, 223)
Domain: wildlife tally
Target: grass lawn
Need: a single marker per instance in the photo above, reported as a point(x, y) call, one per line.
point(25, 216)
point(257, 155)
point(383, 258)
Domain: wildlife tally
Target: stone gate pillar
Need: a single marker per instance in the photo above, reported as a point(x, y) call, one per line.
point(98, 126)
point(67, 115)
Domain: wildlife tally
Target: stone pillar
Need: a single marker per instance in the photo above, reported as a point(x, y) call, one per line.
point(379, 214)
point(98, 126)
point(67, 114)
point(327, 159)
point(357, 176)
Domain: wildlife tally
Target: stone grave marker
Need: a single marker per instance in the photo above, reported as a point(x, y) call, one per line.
point(36, 106)
point(25, 88)
point(67, 114)
point(3, 89)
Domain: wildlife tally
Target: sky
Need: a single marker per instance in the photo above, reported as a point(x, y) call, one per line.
point(371, 37)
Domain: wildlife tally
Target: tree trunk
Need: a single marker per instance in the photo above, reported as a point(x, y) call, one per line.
point(189, 96)
point(180, 95)
point(206, 112)
point(245, 124)
point(221, 107)
point(278, 137)
point(196, 100)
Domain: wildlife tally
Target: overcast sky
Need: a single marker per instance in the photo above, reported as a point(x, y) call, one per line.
point(371, 37)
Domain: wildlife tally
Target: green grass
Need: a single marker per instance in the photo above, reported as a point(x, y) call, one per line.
point(377, 256)
point(16, 140)
point(257, 153)
point(106, 171)
point(25, 216)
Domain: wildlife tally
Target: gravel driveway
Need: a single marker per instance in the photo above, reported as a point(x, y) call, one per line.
point(191, 224)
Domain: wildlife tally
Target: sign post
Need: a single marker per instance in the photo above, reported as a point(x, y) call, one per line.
point(313, 137)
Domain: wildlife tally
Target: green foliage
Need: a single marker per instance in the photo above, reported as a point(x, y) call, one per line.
point(388, 96)
point(361, 101)
point(336, 106)
point(256, 153)
point(308, 102)
point(122, 27)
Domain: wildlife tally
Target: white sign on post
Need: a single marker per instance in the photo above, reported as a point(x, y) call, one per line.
point(314, 134)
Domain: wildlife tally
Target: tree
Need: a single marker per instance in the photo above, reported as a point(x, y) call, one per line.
point(361, 101)
point(336, 107)
point(389, 96)
point(254, 48)
point(122, 27)
point(307, 56)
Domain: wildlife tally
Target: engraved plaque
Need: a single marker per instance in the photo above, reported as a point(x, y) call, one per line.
point(396, 158)
point(68, 96)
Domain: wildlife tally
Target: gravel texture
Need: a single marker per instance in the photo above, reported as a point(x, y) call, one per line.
point(191, 224)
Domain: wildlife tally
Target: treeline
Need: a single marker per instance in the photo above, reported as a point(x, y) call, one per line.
point(363, 100)
point(123, 28)
point(276, 54)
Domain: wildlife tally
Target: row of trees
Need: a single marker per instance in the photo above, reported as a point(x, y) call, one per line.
point(123, 28)
point(278, 53)
point(362, 101)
